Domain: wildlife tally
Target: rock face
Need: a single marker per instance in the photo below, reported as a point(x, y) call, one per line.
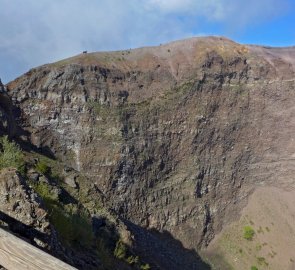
point(176, 137)
point(7, 123)
point(23, 213)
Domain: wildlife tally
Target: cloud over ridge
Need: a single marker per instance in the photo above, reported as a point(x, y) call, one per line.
point(35, 32)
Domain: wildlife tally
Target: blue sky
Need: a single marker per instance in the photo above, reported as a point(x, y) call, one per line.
point(35, 32)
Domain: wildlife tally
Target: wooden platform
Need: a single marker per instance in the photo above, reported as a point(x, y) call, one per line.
point(16, 254)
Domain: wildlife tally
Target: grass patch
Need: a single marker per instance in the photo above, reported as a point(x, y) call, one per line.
point(132, 260)
point(73, 225)
point(51, 168)
point(42, 167)
point(248, 233)
point(145, 267)
point(262, 261)
point(45, 192)
point(72, 222)
point(120, 251)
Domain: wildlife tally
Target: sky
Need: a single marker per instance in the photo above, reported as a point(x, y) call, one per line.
point(36, 32)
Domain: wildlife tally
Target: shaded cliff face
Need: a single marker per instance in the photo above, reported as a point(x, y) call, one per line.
point(7, 122)
point(176, 137)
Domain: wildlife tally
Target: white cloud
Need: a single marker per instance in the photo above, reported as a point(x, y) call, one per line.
point(220, 10)
point(36, 32)
point(209, 8)
point(176, 6)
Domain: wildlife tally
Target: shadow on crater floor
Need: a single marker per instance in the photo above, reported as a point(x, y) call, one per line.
point(163, 251)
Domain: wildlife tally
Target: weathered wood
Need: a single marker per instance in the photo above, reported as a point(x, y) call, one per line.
point(16, 254)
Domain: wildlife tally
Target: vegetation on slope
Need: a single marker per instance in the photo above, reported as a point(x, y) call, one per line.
point(11, 155)
point(70, 210)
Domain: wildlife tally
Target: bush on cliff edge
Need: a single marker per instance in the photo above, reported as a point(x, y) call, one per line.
point(10, 155)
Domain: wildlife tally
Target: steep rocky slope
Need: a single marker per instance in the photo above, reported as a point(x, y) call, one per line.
point(175, 138)
point(22, 212)
point(63, 219)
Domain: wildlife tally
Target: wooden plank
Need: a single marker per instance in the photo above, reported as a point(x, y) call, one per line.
point(16, 254)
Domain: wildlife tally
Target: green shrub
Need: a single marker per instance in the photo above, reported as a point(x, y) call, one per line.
point(42, 167)
point(132, 260)
point(11, 155)
point(145, 267)
point(254, 268)
point(74, 228)
point(45, 192)
point(120, 250)
point(72, 223)
point(248, 232)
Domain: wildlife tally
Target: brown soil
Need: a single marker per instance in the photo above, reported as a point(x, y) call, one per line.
point(271, 213)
